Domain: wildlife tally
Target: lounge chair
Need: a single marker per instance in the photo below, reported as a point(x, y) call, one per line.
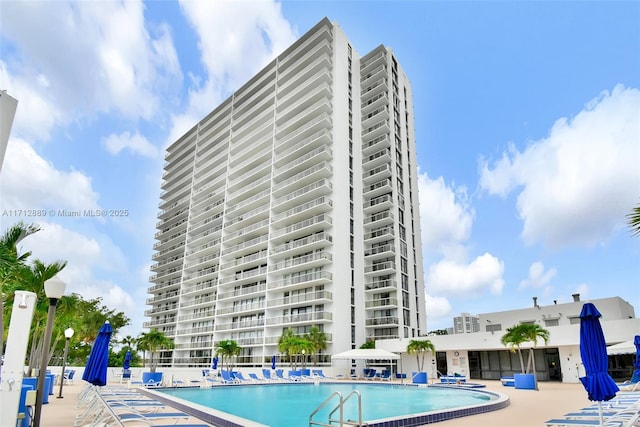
point(239, 377)
point(385, 375)
point(370, 374)
point(228, 378)
point(281, 377)
point(631, 384)
point(266, 373)
point(317, 373)
point(254, 377)
point(125, 376)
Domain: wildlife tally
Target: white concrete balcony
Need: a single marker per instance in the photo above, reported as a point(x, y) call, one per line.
point(316, 316)
point(383, 186)
point(382, 303)
point(240, 324)
point(320, 297)
point(198, 302)
point(376, 174)
point(194, 345)
point(382, 321)
point(378, 252)
point(201, 286)
point(367, 64)
point(379, 203)
point(320, 187)
point(165, 308)
point(300, 228)
point(307, 243)
point(302, 280)
point(302, 50)
point(159, 322)
point(250, 245)
point(301, 136)
point(381, 284)
point(198, 315)
point(378, 268)
point(242, 308)
point(316, 206)
point(163, 297)
point(308, 261)
point(242, 292)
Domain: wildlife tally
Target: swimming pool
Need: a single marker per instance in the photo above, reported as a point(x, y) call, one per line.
point(291, 404)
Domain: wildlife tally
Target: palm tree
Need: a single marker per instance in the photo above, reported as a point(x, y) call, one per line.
point(154, 341)
point(369, 344)
point(11, 262)
point(513, 339)
point(520, 334)
point(318, 340)
point(292, 345)
point(420, 348)
point(633, 219)
point(227, 349)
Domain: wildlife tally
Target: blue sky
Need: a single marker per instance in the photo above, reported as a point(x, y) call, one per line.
point(527, 127)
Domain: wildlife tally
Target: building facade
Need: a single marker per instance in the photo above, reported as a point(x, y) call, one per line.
point(293, 204)
point(482, 356)
point(466, 324)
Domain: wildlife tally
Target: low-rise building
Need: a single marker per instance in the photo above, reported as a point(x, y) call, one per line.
point(482, 356)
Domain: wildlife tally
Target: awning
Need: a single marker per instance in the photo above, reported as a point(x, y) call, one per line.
point(626, 347)
point(366, 354)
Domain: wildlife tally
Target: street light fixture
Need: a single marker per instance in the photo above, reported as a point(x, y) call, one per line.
point(54, 289)
point(68, 333)
point(304, 359)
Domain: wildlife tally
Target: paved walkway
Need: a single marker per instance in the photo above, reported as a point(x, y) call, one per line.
point(528, 408)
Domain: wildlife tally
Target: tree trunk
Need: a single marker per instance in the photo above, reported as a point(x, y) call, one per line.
point(521, 361)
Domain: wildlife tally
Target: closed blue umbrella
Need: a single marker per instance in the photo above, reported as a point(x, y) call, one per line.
point(214, 362)
point(127, 360)
point(593, 351)
point(273, 362)
point(96, 370)
point(636, 362)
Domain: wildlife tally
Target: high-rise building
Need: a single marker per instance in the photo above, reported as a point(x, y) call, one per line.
point(293, 204)
point(466, 324)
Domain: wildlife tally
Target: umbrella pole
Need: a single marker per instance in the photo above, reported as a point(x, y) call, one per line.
point(600, 413)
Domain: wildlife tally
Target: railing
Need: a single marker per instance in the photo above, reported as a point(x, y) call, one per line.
point(339, 407)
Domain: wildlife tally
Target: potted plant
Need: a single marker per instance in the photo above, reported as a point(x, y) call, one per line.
point(513, 339)
point(420, 348)
point(153, 341)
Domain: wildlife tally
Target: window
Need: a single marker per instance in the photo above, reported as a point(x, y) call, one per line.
point(551, 322)
point(494, 328)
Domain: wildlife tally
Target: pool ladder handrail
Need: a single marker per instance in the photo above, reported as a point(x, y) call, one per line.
point(340, 407)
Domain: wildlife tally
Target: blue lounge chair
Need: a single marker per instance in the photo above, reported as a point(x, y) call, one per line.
point(385, 375)
point(255, 377)
point(319, 374)
point(632, 384)
point(370, 374)
point(266, 373)
point(227, 378)
point(239, 377)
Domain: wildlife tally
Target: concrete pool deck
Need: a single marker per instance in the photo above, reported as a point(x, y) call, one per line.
point(527, 407)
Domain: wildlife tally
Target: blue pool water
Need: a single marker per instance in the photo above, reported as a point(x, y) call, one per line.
point(291, 404)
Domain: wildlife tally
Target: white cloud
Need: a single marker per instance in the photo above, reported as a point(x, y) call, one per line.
point(438, 308)
point(446, 216)
point(31, 182)
point(538, 277)
point(578, 183)
point(135, 143)
point(115, 63)
point(462, 280)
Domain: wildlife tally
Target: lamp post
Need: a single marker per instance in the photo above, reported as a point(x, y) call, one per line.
point(68, 333)
point(54, 289)
point(303, 358)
